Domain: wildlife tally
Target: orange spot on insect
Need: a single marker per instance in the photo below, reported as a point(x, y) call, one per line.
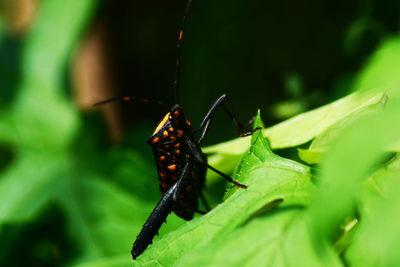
point(169, 154)
point(176, 113)
point(178, 152)
point(188, 187)
point(162, 158)
point(172, 167)
point(167, 146)
point(162, 123)
point(173, 138)
point(180, 35)
point(180, 133)
point(127, 98)
point(165, 134)
point(188, 123)
point(174, 177)
point(155, 140)
point(171, 129)
point(177, 145)
point(162, 175)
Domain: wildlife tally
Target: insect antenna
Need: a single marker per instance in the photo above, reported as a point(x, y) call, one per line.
point(179, 52)
point(131, 99)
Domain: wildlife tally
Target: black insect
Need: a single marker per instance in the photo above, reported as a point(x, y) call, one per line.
point(180, 162)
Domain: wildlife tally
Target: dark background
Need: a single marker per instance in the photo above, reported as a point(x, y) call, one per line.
point(260, 53)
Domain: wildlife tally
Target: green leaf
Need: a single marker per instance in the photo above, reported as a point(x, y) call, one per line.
point(376, 239)
point(356, 151)
point(311, 156)
point(41, 117)
point(104, 218)
point(278, 239)
point(28, 184)
point(268, 178)
point(123, 260)
point(304, 127)
point(297, 130)
point(323, 141)
point(377, 236)
point(40, 120)
point(382, 68)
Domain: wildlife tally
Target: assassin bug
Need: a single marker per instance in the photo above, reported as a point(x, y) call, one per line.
point(180, 162)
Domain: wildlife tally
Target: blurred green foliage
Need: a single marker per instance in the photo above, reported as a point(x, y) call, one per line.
point(67, 197)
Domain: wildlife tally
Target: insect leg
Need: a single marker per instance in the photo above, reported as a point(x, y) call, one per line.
point(182, 178)
point(153, 223)
point(184, 174)
point(228, 178)
point(205, 124)
point(198, 156)
point(158, 215)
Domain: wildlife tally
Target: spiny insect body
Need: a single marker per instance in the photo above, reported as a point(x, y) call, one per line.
point(181, 165)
